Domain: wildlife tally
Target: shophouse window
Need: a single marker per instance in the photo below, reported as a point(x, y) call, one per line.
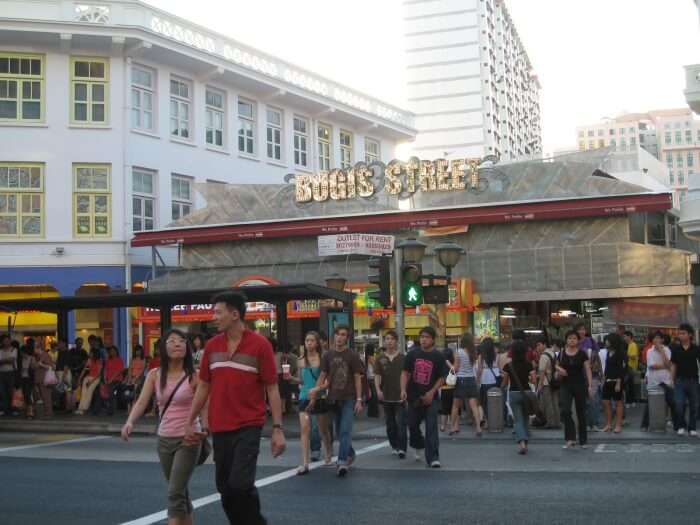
point(273, 134)
point(92, 196)
point(89, 90)
point(669, 160)
point(582, 145)
point(690, 161)
point(324, 147)
point(688, 136)
point(181, 194)
point(580, 134)
point(613, 143)
point(372, 152)
point(633, 142)
point(21, 88)
point(590, 132)
point(623, 144)
point(345, 149)
point(679, 159)
point(246, 126)
point(180, 107)
point(667, 137)
point(601, 132)
point(678, 137)
point(671, 177)
point(301, 142)
point(681, 178)
point(143, 199)
point(612, 132)
point(143, 98)
point(215, 117)
point(622, 131)
point(21, 200)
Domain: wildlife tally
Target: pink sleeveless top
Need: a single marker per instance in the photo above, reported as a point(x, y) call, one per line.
point(172, 424)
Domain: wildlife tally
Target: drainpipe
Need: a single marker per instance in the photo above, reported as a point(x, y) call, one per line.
point(127, 252)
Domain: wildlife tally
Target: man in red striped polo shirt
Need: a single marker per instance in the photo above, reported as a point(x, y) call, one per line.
point(237, 372)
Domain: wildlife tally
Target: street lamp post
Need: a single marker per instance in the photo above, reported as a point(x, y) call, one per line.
point(449, 253)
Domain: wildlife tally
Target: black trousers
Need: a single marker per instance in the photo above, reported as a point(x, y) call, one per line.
point(577, 392)
point(236, 458)
point(395, 417)
point(7, 390)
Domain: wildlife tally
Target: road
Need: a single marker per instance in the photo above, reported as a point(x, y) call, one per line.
point(66, 479)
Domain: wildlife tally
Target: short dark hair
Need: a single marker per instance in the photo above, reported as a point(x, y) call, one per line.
point(233, 300)
point(392, 333)
point(686, 327)
point(658, 333)
point(429, 330)
point(541, 339)
point(571, 332)
point(629, 334)
point(4, 337)
point(340, 327)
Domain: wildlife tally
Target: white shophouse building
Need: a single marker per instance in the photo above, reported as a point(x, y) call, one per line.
point(111, 112)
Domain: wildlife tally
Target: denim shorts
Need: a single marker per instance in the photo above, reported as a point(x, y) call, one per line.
point(466, 388)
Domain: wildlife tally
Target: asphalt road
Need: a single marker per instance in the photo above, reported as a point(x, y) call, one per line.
point(64, 479)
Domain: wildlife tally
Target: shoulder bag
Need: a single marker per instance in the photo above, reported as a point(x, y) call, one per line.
point(529, 397)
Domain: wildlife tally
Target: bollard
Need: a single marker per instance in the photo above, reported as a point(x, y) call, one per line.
point(494, 398)
point(657, 409)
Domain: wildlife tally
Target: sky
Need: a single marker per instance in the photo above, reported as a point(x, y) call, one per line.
point(594, 58)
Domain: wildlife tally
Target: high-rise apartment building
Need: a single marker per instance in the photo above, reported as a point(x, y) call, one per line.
point(671, 135)
point(470, 81)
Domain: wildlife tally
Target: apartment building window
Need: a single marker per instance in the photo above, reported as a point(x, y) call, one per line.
point(678, 137)
point(632, 131)
point(143, 199)
point(89, 90)
point(622, 131)
point(688, 136)
point(324, 147)
point(689, 161)
point(180, 104)
point(667, 137)
point(142, 98)
point(214, 116)
point(623, 144)
point(613, 143)
point(671, 177)
point(181, 194)
point(21, 200)
point(612, 132)
point(590, 132)
point(372, 152)
point(246, 126)
point(601, 132)
point(345, 149)
point(669, 160)
point(21, 88)
point(679, 160)
point(92, 196)
point(301, 141)
point(274, 134)
point(681, 178)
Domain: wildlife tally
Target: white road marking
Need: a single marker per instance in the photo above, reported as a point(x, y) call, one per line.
point(157, 517)
point(636, 448)
point(53, 443)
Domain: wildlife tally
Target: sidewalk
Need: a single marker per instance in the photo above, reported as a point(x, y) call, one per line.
point(364, 428)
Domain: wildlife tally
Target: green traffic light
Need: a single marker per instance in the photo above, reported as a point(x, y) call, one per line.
point(412, 294)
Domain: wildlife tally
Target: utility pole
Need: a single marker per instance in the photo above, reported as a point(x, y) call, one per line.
point(398, 303)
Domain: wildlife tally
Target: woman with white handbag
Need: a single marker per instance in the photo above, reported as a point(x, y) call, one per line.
point(44, 377)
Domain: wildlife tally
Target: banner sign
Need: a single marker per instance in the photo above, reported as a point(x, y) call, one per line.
point(355, 244)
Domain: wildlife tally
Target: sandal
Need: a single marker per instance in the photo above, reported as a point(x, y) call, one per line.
point(302, 470)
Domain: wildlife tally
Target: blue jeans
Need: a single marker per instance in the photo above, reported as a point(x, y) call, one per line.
point(686, 391)
point(343, 418)
point(594, 405)
point(520, 423)
point(315, 436)
point(431, 442)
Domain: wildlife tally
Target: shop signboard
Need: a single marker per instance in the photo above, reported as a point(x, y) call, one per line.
point(486, 323)
point(355, 244)
point(646, 314)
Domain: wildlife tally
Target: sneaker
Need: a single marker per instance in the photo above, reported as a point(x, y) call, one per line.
point(435, 464)
point(681, 432)
point(693, 433)
point(315, 458)
point(418, 454)
point(594, 428)
point(395, 452)
point(341, 471)
point(401, 454)
point(645, 429)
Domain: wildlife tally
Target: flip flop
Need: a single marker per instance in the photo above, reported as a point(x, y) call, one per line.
point(302, 471)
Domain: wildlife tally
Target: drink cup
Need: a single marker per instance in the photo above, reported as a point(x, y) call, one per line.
point(285, 371)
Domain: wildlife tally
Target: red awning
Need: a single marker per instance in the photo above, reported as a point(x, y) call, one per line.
point(414, 219)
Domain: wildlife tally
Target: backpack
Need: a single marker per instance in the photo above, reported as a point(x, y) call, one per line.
point(554, 383)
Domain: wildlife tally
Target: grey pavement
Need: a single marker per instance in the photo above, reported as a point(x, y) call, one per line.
point(365, 428)
point(75, 479)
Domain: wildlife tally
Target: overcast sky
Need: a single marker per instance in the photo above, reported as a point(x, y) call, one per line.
point(595, 58)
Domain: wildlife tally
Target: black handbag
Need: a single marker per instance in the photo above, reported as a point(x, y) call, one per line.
point(321, 405)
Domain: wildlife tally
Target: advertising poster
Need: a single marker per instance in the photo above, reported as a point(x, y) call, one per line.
point(486, 323)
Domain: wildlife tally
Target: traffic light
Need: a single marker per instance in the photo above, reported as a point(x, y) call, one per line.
point(380, 274)
point(412, 289)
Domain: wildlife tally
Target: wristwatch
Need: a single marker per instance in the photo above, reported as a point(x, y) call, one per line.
point(277, 425)
point(359, 400)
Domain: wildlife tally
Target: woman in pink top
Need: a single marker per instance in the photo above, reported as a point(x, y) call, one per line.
point(174, 382)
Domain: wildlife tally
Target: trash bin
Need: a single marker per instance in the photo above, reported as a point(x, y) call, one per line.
point(657, 409)
point(494, 398)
